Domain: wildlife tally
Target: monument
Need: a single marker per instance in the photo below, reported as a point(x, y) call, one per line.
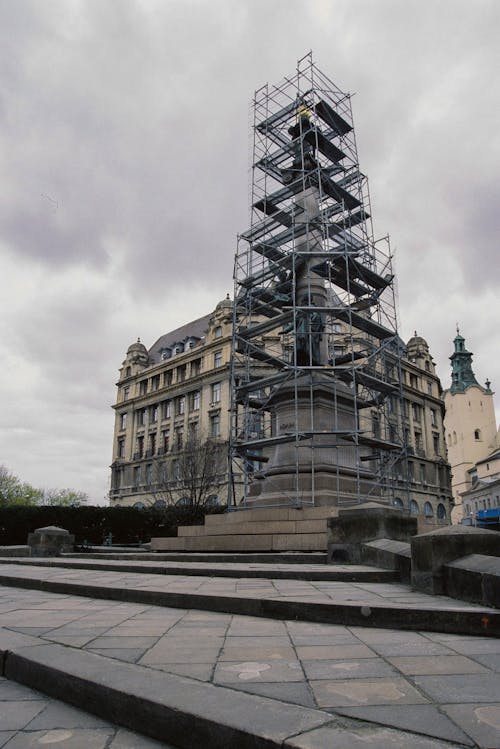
point(316, 386)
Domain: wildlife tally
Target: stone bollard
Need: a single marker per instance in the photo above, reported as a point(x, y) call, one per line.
point(431, 551)
point(50, 541)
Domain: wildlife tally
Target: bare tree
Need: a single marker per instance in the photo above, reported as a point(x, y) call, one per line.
point(193, 474)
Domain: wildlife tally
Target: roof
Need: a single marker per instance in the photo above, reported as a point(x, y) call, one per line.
point(197, 329)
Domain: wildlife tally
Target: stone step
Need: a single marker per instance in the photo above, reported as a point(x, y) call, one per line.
point(272, 514)
point(413, 613)
point(244, 542)
point(258, 558)
point(272, 527)
point(348, 573)
point(186, 712)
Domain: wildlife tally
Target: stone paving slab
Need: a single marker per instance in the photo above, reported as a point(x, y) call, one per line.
point(340, 673)
point(356, 604)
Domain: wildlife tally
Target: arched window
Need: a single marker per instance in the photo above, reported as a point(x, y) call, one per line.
point(428, 511)
point(139, 505)
point(441, 511)
point(477, 434)
point(449, 438)
point(160, 504)
point(414, 510)
point(454, 438)
point(398, 503)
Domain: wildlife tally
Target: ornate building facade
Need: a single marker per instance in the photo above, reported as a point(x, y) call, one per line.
point(471, 432)
point(181, 386)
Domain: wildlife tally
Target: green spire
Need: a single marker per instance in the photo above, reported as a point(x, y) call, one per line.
point(462, 375)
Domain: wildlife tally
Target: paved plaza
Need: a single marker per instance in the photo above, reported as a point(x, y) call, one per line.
point(360, 685)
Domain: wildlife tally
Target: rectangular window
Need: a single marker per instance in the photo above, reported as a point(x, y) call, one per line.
point(414, 381)
point(418, 440)
point(434, 417)
point(141, 417)
point(123, 421)
point(217, 359)
point(193, 430)
point(143, 387)
point(180, 405)
point(337, 327)
point(435, 440)
point(429, 387)
point(137, 475)
point(181, 373)
point(215, 426)
point(165, 437)
point(167, 409)
point(195, 367)
point(126, 393)
point(154, 414)
point(121, 448)
point(149, 474)
point(152, 442)
point(155, 382)
point(423, 476)
point(216, 392)
point(179, 438)
point(140, 447)
point(415, 411)
point(167, 378)
point(194, 400)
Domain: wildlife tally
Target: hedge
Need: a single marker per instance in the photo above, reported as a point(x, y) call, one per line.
point(127, 525)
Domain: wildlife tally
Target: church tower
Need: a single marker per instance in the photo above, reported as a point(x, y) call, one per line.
point(469, 422)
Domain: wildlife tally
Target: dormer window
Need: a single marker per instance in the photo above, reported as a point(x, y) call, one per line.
point(218, 331)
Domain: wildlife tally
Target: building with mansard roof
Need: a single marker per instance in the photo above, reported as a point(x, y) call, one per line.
point(181, 386)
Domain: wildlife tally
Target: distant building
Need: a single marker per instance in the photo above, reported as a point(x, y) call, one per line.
point(181, 385)
point(470, 425)
point(481, 503)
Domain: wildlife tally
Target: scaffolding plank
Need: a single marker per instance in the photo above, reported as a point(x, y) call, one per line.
point(279, 116)
point(335, 191)
point(366, 324)
point(263, 382)
point(332, 118)
point(264, 327)
point(368, 380)
point(374, 442)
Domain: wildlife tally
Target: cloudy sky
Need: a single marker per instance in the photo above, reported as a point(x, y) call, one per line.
point(124, 153)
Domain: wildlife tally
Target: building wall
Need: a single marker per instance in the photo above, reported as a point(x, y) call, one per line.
point(470, 435)
point(423, 417)
point(160, 403)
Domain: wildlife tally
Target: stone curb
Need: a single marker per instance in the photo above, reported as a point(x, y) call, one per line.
point(256, 557)
point(182, 711)
point(456, 620)
point(350, 576)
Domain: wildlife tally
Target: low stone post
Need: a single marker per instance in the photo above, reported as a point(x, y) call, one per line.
point(50, 541)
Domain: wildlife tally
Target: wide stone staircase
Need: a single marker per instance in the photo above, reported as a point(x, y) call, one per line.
point(256, 530)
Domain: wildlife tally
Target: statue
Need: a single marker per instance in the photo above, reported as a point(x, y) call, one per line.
point(309, 328)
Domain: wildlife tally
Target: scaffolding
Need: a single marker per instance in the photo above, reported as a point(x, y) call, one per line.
point(316, 405)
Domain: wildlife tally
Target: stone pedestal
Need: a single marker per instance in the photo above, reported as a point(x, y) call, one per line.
point(431, 551)
point(322, 468)
point(50, 541)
